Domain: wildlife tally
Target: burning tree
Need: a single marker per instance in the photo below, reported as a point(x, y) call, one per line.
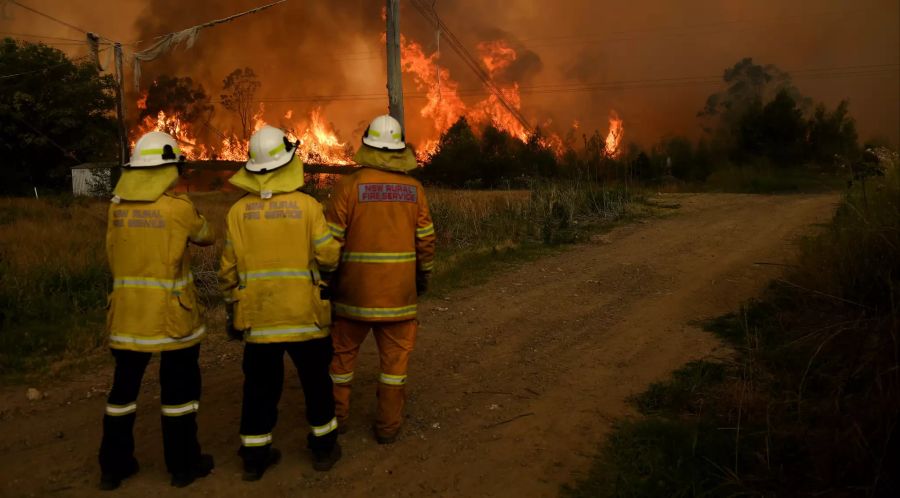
point(176, 96)
point(239, 89)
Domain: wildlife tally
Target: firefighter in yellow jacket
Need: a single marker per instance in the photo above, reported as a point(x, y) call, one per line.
point(153, 308)
point(277, 247)
point(380, 216)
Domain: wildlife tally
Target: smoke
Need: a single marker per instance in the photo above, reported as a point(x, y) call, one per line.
point(571, 56)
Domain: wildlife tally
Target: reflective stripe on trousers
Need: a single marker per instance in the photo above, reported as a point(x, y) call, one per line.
point(182, 409)
point(321, 430)
point(256, 440)
point(342, 378)
point(392, 380)
point(119, 410)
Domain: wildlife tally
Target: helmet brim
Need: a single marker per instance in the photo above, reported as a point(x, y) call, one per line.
point(269, 166)
point(383, 144)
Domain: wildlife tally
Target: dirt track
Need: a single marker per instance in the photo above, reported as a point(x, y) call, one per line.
point(512, 386)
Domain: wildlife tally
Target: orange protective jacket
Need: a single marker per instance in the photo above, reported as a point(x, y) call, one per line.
point(382, 220)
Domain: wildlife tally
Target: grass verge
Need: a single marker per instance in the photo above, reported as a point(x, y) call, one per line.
point(810, 403)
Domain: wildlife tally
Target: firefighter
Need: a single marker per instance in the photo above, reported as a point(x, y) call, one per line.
point(277, 248)
point(381, 218)
point(153, 308)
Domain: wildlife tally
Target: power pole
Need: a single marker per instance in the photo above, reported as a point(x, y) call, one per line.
point(120, 105)
point(395, 76)
point(120, 117)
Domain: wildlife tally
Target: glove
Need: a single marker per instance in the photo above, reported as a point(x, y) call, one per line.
point(325, 285)
point(233, 333)
point(422, 278)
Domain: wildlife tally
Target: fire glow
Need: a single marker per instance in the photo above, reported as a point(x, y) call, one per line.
point(444, 106)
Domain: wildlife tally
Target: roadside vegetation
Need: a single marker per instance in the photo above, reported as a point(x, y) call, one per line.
point(54, 277)
point(810, 401)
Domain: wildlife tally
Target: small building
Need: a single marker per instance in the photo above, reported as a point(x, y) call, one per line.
point(88, 178)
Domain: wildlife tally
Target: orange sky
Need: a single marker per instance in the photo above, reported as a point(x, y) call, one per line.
point(333, 48)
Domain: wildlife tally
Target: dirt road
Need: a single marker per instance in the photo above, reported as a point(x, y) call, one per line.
point(512, 386)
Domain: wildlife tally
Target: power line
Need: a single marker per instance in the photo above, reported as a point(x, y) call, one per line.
point(42, 37)
point(48, 16)
point(70, 61)
point(558, 88)
point(460, 49)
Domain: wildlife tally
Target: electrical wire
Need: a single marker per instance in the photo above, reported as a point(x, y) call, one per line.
point(561, 88)
point(57, 20)
point(41, 37)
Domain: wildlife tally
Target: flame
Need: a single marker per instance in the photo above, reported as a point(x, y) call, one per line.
point(614, 137)
point(318, 142)
point(444, 106)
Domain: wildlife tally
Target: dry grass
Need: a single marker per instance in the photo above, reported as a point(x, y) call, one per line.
point(54, 277)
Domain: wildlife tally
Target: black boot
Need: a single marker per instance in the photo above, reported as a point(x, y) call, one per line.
point(323, 460)
point(201, 468)
point(254, 470)
point(112, 480)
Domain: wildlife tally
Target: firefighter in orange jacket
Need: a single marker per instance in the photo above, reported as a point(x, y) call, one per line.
point(380, 216)
point(276, 249)
point(153, 308)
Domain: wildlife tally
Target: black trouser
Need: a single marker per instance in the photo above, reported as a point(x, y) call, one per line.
point(263, 379)
point(179, 378)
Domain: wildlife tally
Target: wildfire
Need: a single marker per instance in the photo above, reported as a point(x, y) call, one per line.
point(614, 137)
point(444, 106)
point(318, 142)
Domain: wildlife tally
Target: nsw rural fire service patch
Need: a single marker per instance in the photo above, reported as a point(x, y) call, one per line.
point(387, 192)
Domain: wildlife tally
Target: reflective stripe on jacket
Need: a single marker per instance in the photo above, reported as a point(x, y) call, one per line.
point(273, 252)
point(382, 220)
point(153, 305)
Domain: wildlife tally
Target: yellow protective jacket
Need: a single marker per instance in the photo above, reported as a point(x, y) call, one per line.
point(153, 305)
point(382, 220)
point(274, 249)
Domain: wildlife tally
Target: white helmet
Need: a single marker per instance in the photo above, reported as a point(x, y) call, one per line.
point(270, 149)
point(154, 149)
point(385, 133)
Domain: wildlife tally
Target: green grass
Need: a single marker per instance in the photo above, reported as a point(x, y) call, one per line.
point(810, 403)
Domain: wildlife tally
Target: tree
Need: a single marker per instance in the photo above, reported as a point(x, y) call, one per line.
point(54, 113)
point(832, 135)
point(500, 157)
point(537, 158)
point(775, 131)
point(239, 89)
point(181, 96)
point(457, 161)
point(749, 87)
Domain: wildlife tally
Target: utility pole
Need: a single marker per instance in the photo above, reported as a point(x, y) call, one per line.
point(120, 116)
point(395, 76)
